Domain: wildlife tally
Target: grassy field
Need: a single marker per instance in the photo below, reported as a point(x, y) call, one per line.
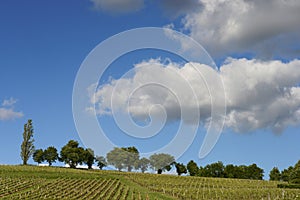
point(31, 182)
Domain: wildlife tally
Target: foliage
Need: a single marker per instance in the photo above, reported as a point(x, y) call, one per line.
point(50, 155)
point(72, 154)
point(27, 147)
point(275, 174)
point(89, 157)
point(180, 168)
point(143, 164)
point(132, 157)
point(192, 168)
point(254, 172)
point(295, 174)
point(120, 158)
point(101, 162)
point(286, 173)
point(161, 162)
point(38, 156)
point(213, 170)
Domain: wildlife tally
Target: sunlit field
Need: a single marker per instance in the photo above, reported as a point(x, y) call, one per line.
point(32, 182)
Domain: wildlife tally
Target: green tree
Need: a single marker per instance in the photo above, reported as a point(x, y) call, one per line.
point(230, 171)
point(192, 168)
point(286, 173)
point(143, 164)
point(254, 172)
point(295, 174)
point(161, 162)
point(27, 147)
point(275, 174)
point(38, 156)
point(101, 162)
point(89, 157)
point(180, 168)
point(72, 154)
point(132, 157)
point(214, 170)
point(125, 157)
point(117, 157)
point(50, 155)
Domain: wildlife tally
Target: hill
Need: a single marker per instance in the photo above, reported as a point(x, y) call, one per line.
point(32, 182)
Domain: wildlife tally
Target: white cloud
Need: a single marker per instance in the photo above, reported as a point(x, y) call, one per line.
point(7, 111)
point(118, 6)
point(259, 95)
point(267, 28)
point(9, 102)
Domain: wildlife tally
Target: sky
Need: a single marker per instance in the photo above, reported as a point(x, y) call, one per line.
point(255, 46)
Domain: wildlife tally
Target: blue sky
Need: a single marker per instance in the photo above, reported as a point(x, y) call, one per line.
point(43, 44)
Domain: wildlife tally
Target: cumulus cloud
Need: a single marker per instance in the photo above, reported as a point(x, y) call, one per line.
point(259, 94)
point(118, 6)
point(7, 111)
point(266, 28)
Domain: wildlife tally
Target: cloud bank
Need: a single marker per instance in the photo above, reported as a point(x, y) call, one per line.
point(7, 111)
point(259, 94)
point(266, 28)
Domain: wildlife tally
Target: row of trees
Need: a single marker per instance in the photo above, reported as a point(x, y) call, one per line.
point(291, 174)
point(121, 158)
point(71, 154)
point(218, 169)
point(129, 158)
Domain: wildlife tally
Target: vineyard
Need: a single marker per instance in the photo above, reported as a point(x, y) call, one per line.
point(30, 182)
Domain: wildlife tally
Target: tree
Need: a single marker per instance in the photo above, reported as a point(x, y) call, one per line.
point(38, 156)
point(214, 170)
point(180, 168)
point(254, 172)
point(275, 174)
point(161, 162)
point(51, 155)
point(89, 157)
point(295, 174)
point(72, 154)
point(230, 171)
point(27, 147)
point(101, 162)
point(117, 157)
point(143, 164)
point(125, 157)
point(192, 168)
point(132, 157)
point(286, 173)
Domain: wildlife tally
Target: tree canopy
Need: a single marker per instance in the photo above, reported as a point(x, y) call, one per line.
point(72, 154)
point(161, 162)
point(50, 155)
point(125, 157)
point(38, 156)
point(101, 162)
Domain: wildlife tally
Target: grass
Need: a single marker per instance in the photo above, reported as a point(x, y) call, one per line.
point(32, 182)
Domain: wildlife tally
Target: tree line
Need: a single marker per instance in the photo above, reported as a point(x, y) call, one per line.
point(291, 174)
point(128, 158)
point(218, 169)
